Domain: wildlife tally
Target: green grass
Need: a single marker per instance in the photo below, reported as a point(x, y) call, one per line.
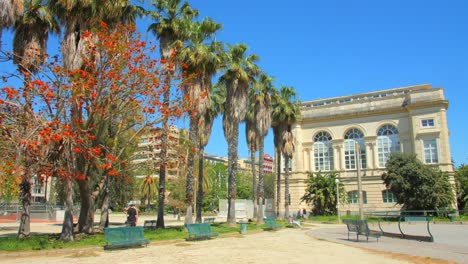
point(51, 241)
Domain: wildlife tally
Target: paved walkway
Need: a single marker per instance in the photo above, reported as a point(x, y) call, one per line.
point(451, 240)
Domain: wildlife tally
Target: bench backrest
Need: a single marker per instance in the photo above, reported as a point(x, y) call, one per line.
point(357, 225)
point(270, 222)
point(199, 229)
point(124, 233)
point(416, 218)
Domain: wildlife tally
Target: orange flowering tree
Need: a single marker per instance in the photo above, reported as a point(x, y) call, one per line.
point(82, 123)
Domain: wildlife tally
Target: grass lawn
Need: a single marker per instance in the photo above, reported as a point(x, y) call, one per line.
point(51, 241)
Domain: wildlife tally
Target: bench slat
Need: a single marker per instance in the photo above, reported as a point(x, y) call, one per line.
point(124, 236)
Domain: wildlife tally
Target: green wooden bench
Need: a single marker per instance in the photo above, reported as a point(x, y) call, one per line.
point(416, 219)
point(209, 220)
point(200, 231)
point(124, 237)
point(271, 224)
point(360, 227)
point(150, 224)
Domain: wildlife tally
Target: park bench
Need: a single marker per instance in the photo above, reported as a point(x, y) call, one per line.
point(209, 220)
point(150, 224)
point(124, 236)
point(271, 224)
point(360, 227)
point(200, 231)
point(415, 218)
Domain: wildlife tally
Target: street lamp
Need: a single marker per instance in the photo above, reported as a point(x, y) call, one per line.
point(337, 181)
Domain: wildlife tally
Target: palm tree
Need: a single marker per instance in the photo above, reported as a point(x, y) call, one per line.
point(263, 108)
point(147, 188)
point(29, 46)
point(31, 35)
point(239, 75)
point(172, 22)
point(203, 59)
point(285, 112)
point(10, 11)
point(252, 143)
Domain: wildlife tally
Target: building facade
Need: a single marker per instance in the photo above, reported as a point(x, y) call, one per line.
point(337, 133)
point(246, 164)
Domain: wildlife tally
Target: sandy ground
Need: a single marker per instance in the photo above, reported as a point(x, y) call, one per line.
point(288, 245)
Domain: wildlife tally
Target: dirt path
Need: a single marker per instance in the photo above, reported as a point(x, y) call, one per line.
point(284, 246)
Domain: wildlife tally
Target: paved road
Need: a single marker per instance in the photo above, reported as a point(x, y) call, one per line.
point(451, 240)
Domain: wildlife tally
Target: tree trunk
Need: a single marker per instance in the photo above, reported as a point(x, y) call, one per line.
point(190, 166)
point(24, 230)
point(232, 175)
point(67, 226)
point(286, 188)
point(254, 185)
point(278, 181)
point(200, 186)
point(261, 178)
point(104, 221)
point(86, 219)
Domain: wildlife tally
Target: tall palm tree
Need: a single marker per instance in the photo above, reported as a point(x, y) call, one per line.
point(285, 112)
point(29, 47)
point(263, 108)
point(202, 56)
point(172, 20)
point(239, 75)
point(10, 11)
point(252, 143)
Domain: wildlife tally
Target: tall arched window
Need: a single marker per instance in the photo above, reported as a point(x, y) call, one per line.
point(352, 137)
point(388, 141)
point(323, 152)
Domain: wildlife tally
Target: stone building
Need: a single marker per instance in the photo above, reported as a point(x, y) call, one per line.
point(332, 131)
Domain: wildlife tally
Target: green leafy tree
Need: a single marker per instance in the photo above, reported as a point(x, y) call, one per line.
point(461, 183)
point(321, 193)
point(415, 185)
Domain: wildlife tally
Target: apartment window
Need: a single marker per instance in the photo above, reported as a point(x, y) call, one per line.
point(323, 152)
point(353, 197)
point(352, 137)
point(144, 140)
point(427, 123)
point(388, 141)
point(430, 151)
point(388, 197)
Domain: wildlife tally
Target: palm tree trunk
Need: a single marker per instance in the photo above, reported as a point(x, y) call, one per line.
point(278, 181)
point(164, 144)
point(67, 226)
point(286, 188)
point(261, 189)
point(232, 175)
point(200, 186)
point(254, 184)
point(190, 177)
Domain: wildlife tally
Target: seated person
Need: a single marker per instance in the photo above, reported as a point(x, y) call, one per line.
point(292, 222)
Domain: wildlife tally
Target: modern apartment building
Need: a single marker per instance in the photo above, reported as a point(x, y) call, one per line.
point(333, 132)
point(246, 164)
point(148, 154)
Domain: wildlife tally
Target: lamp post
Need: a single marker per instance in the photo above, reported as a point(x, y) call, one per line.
point(337, 181)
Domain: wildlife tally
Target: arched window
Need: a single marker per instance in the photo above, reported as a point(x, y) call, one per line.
point(388, 197)
point(352, 137)
point(353, 197)
point(388, 141)
point(323, 152)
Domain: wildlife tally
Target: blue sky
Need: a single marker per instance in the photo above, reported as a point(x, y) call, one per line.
point(335, 48)
point(332, 48)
